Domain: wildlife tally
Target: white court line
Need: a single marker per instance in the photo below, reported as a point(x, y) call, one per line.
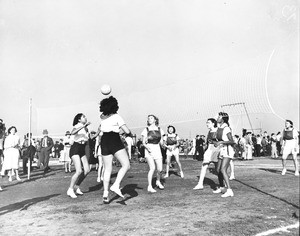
point(283, 229)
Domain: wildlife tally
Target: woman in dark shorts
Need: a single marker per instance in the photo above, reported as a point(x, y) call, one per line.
point(111, 144)
point(77, 153)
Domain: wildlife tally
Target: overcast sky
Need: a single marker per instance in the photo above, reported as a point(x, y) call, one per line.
point(59, 53)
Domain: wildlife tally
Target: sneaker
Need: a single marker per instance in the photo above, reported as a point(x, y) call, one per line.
point(231, 177)
point(166, 176)
point(78, 191)
point(116, 190)
point(218, 190)
point(105, 200)
point(296, 173)
point(98, 180)
point(18, 178)
point(283, 172)
point(228, 193)
point(198, 186)
point(9, 178)
point(71, 193)
point(151, 190)
point(181, 174)
point(159, 185)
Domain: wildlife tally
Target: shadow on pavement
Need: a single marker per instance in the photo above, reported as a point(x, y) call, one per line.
point(24, 205)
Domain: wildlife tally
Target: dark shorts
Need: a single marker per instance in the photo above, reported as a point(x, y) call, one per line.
point(111, 143)
point(77, 149)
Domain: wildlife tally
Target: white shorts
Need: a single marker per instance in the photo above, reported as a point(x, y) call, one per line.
point(289, 148)
point(174, 152)
point(155, 151)
point(211, 154)
point(226, 151)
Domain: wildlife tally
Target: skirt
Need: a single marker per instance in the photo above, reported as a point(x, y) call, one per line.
point(11, 159)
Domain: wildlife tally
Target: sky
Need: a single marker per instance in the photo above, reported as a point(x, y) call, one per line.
point(59, 53)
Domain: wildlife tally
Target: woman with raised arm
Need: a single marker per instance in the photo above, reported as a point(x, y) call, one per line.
point(80, 137)
point(112, 145)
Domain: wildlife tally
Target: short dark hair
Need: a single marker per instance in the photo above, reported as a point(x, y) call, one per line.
point(171, 126)
point(225, 117)
point(76, 118)
point(213, 121)
point(291, 122)
point(109, 105)
point(12, 127)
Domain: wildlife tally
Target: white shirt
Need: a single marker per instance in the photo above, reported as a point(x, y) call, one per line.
point(258, 140)
point(11, 141)
point(112, 123)
point(226, 130)
point(81, 135)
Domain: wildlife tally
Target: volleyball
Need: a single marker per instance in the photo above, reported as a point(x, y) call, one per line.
point(105, 89)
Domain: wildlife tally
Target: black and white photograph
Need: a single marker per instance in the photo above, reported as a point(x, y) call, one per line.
point(149, 117)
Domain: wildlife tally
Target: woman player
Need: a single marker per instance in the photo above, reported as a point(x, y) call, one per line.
point(171, 142)
point(152, 138)
point(211, 153)
point(225, 142)
point(112, 145)
point(290, 146)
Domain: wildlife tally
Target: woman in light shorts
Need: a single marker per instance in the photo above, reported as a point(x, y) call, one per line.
point(152, 139)
point(225, 142)
point(171, 142)
point(290, 146)
point(211, 153)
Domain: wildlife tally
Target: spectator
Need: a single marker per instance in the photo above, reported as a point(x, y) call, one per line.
point(2, 136)
point(47, 145)
point(141, 150)
point(264, 143)
point(11, 153)
point(273, 146)
point(249, 146)
point(56, 149)
point(67, 141)
point(254, 142)
point(198, 155)
point(93, 159)
point(278, 143)
point(258, 145)
point(28, 152)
